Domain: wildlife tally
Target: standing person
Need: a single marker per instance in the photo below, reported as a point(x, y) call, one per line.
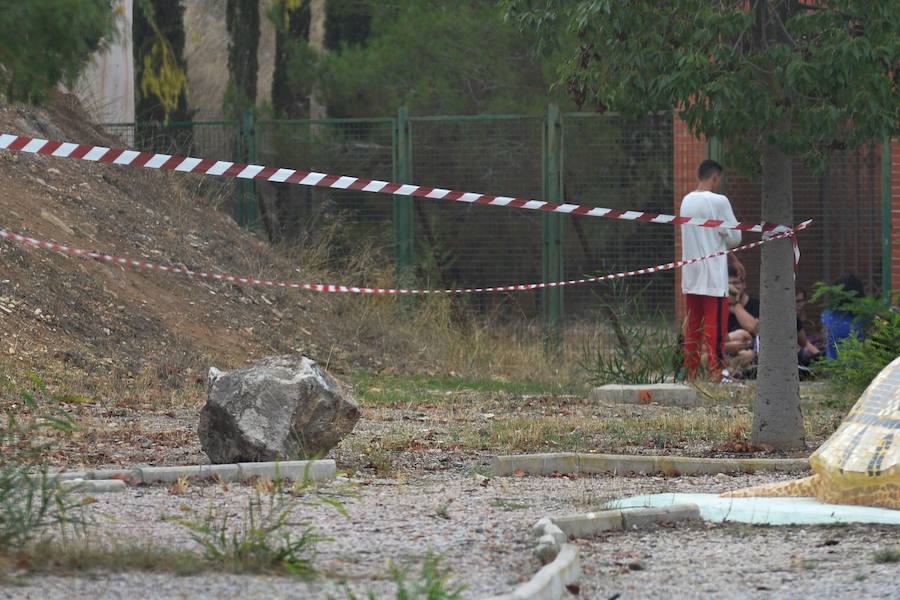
point(705, 283)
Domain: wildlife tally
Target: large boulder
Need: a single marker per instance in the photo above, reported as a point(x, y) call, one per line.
point(280, 408)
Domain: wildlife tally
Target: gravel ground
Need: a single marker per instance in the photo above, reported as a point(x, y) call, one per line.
point(741, 561)
point(480, 529)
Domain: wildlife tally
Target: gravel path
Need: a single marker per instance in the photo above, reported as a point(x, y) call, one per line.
point(481, 529)
point(741, 562)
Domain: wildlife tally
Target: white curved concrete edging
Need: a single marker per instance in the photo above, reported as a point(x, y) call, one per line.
point(550, 582)
point(594, 464)
point(564, 568)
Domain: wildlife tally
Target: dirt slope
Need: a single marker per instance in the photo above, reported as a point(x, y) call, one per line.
point(98, 322)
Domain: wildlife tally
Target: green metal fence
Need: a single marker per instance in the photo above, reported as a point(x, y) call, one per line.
point(593, 159)
point(590, 159)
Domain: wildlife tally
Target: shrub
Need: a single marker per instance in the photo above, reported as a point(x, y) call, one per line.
point(633, 344)
point(859, 361)
point(270, 537)
point(45, 42)
point(31, 500)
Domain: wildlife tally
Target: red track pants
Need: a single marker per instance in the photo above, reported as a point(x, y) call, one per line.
point(706, 329)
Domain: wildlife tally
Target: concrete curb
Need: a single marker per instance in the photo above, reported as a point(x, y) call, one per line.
point(93, 486)
point(663, 394)
point(588, 525)
point(564, 567)
point(295, 470)
point(550, 582)
point(547, 464)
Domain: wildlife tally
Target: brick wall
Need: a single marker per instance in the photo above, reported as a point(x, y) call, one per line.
point(844, 202)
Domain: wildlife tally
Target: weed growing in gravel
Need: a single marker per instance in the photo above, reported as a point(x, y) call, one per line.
point(887, 555)
point(65, 558)
point(507, 504)
point(643, 347)
point(30, 500)
point(431, 584)
point(269, 537)
point(383, 463)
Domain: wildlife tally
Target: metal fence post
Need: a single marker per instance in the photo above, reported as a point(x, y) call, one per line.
point(238, 208)
point(403, 205)
point(886, 250)
point(551, 225)
point(251, 210)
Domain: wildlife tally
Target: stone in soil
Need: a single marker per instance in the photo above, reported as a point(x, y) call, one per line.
point(279, 408)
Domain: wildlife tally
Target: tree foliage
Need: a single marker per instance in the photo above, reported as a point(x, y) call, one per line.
point(774, 79)
point(242, 22)
point(45, 42)
point(435, 57)
point(158, 34)
point(829, 69)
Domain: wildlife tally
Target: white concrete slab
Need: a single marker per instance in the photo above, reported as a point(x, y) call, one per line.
point(768, 511)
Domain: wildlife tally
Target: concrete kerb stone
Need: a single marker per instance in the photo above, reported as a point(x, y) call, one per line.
point(295, 470)
point(550, 582)
point(151, 475)
point(664, 394)
point(649, 518)
point(590, 524)
point(93, 486)
point(547, 464)
point(554, 533)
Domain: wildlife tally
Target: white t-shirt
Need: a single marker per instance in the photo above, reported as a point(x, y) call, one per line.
point(707, 277)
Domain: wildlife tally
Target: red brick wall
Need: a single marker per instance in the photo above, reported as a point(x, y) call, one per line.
point(688, 153)
point(845, 205)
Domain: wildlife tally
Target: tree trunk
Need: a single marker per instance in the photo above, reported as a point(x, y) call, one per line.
point(242, 22)
point(317, 10)
point(777, 419)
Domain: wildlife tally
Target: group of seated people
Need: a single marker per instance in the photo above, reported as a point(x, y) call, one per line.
point(742, 344)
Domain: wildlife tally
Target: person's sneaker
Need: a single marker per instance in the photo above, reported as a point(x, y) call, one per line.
point(727, 378)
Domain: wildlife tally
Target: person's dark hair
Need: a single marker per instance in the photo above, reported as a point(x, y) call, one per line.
point(732, 270)
point(708, 168)
point(851, 283)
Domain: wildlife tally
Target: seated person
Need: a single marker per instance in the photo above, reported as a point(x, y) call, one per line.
point(743, 323)
point(841, 324)
point(807, 351)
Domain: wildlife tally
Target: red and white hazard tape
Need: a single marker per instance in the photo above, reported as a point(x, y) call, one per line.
point(150, 160)
point(347, 289)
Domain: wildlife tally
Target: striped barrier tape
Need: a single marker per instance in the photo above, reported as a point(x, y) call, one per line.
point(187, 164)
point(345, 289)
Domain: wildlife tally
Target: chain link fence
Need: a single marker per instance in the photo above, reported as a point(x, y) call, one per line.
point(340, 222)
point(600, 159)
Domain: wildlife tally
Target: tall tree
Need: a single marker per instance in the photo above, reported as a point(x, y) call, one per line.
point(317, 29)
point(242, 22)
point(290, 96)
point(774, 79)
point(158, 34)
point(435, 57)
point(45, 42)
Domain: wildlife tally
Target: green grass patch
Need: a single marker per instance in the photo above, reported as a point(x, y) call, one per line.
point(887, 555)
point(505, 504)
point(80, 557)
point(385, 389)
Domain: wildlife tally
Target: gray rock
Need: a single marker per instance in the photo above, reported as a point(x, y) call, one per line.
point(279, 408)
